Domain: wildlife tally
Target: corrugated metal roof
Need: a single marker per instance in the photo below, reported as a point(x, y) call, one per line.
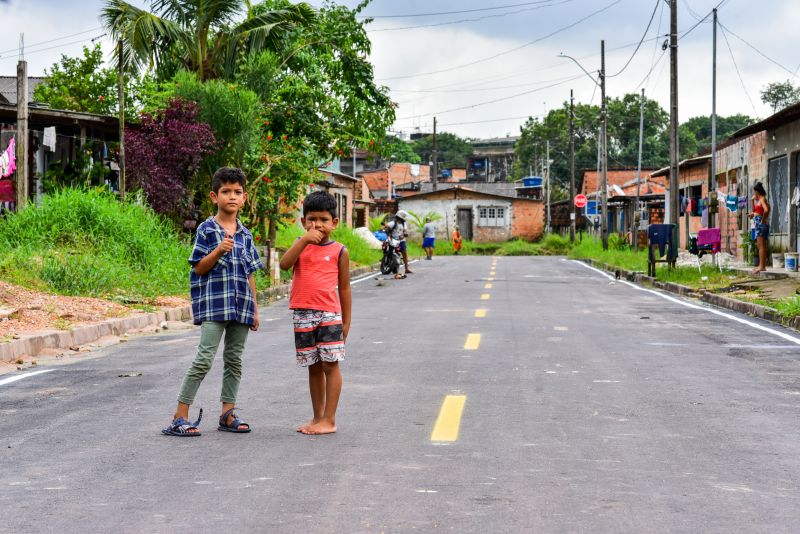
point(8, 87)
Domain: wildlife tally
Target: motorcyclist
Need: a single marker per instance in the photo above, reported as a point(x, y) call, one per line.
point(398, 229)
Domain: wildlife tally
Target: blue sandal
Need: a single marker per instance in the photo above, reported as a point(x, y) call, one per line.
point(235, 424)
point(180, 427)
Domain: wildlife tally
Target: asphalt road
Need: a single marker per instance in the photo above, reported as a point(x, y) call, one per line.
point(591, 406)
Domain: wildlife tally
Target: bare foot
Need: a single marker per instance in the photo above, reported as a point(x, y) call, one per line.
point(321, 427)
point(757, 270)
point(303, 428)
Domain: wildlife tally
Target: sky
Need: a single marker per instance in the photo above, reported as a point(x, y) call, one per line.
point(482, 71)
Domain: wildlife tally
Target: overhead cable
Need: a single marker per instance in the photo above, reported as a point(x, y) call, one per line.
point(647, 29)
point(492, 101)
point(539, 39)
point(739, 74)
point(410, 15)
point(762, 54)
point(476, 19)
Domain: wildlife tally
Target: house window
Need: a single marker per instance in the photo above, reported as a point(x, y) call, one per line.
point(492, 216)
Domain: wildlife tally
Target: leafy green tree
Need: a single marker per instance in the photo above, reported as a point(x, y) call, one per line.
point(208, 37)
point(779, 95)
point(400, 151)
point(453, 151)
point(84, 84)
point(701, 127)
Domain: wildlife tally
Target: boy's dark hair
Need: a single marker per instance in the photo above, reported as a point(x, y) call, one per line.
point(228, 175)
point(759, 188)
point(320, 201)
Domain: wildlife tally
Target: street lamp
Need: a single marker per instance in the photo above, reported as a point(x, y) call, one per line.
point(601, 82)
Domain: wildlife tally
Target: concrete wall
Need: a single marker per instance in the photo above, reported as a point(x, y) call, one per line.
point(524, 218)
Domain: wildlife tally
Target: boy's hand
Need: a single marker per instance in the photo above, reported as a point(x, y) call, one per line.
point(313, 237)
point(256, 323)
point(227, 244)
point(345, 331)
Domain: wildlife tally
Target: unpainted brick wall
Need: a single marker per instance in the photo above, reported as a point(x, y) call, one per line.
point(528, 219)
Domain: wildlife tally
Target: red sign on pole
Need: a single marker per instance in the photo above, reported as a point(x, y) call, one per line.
point(580, 201)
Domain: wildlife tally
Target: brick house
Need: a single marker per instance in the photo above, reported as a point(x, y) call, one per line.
point(343, 188)
point(481, 217)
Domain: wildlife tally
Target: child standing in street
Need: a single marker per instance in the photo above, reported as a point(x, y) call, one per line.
point(456, 241)
point(223, 290)
point(321, 316)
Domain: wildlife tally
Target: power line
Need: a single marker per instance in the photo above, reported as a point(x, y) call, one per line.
point(457, 67)
point(468, 20)
point(452, 12)
point(739, 74)
point(27, 53)
point(492, 101)
point(15, 50)
point(762, 54)
point(480, 88)
point(649, 23)
point(473, 122)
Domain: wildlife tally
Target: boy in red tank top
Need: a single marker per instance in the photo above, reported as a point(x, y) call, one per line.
point(321, 302)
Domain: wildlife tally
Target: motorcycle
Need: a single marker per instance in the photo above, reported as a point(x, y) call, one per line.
point(392, 257)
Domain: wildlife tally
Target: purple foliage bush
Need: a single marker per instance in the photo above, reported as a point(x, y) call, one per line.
point(164, 153)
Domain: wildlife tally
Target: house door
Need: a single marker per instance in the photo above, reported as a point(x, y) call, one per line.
point(465, 223)
point(778, 194)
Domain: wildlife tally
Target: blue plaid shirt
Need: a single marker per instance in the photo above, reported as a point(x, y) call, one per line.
point(223, 293)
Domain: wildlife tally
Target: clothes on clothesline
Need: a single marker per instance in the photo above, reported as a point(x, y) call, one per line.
point(8, 160)
point(7, 191)
point(732, 202)
point(49, 138)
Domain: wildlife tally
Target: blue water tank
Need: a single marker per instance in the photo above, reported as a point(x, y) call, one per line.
point(532, 181)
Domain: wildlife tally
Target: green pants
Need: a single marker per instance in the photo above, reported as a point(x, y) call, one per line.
point(210, 336)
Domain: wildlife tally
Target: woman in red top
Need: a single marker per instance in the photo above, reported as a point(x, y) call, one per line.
point(760, 216)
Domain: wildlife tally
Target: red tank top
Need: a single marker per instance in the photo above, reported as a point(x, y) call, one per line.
point(759, 209)
point(315, 278)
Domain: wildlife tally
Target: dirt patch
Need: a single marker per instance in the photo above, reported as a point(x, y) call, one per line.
point(770, 289)
point(25, 310)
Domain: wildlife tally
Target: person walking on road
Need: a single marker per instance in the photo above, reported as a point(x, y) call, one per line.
point(398, 229)
point(321, 316)
point(223, 291)
point(456, 241)
point(760, 216)
point(429, 238)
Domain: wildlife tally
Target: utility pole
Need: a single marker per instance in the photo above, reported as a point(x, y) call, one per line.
point(435, 177)
point(571, 204)
point(121, 67)
point(634, 226)
point(22, 129)
point(712, 217)
point(674, 196)
point(603, 144)
point(547, 171)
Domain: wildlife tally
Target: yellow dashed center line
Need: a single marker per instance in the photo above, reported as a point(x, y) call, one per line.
point(490, 279)
point(487, 286)
point(486, 296)
point(480, 312)
point(473, 342)
point(449, 421)
point(492, 273)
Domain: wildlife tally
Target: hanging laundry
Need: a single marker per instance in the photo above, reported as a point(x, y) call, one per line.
point(732, 202)
point(683, 205)
point(49, 138)
point(704, 217)
point(796, 196)
point(6, 191)
point(105, 151)
point(742, 203)
point(9, 160)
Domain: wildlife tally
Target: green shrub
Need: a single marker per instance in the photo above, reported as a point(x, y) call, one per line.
point(86, 242)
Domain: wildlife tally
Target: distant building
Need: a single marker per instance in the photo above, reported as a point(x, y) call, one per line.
point(491, 160)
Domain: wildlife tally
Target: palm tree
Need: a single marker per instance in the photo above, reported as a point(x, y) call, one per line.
point(202, 36)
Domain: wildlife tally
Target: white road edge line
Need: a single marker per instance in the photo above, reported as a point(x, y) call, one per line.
point(373, 275)
point(11, 379)
point(757, 326)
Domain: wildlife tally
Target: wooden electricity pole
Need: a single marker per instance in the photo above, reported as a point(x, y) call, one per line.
point(603, 146)
point(571, 204)
point(22, 133)
point(674, 194)
point(121, 59)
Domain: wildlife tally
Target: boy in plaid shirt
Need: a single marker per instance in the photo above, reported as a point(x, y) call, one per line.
point(223, 290)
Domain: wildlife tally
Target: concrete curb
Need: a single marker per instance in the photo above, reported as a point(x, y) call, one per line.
point(715, 299)
point(34, 344)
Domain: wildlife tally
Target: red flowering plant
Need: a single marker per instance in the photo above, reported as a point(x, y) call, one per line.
point(280, 171)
